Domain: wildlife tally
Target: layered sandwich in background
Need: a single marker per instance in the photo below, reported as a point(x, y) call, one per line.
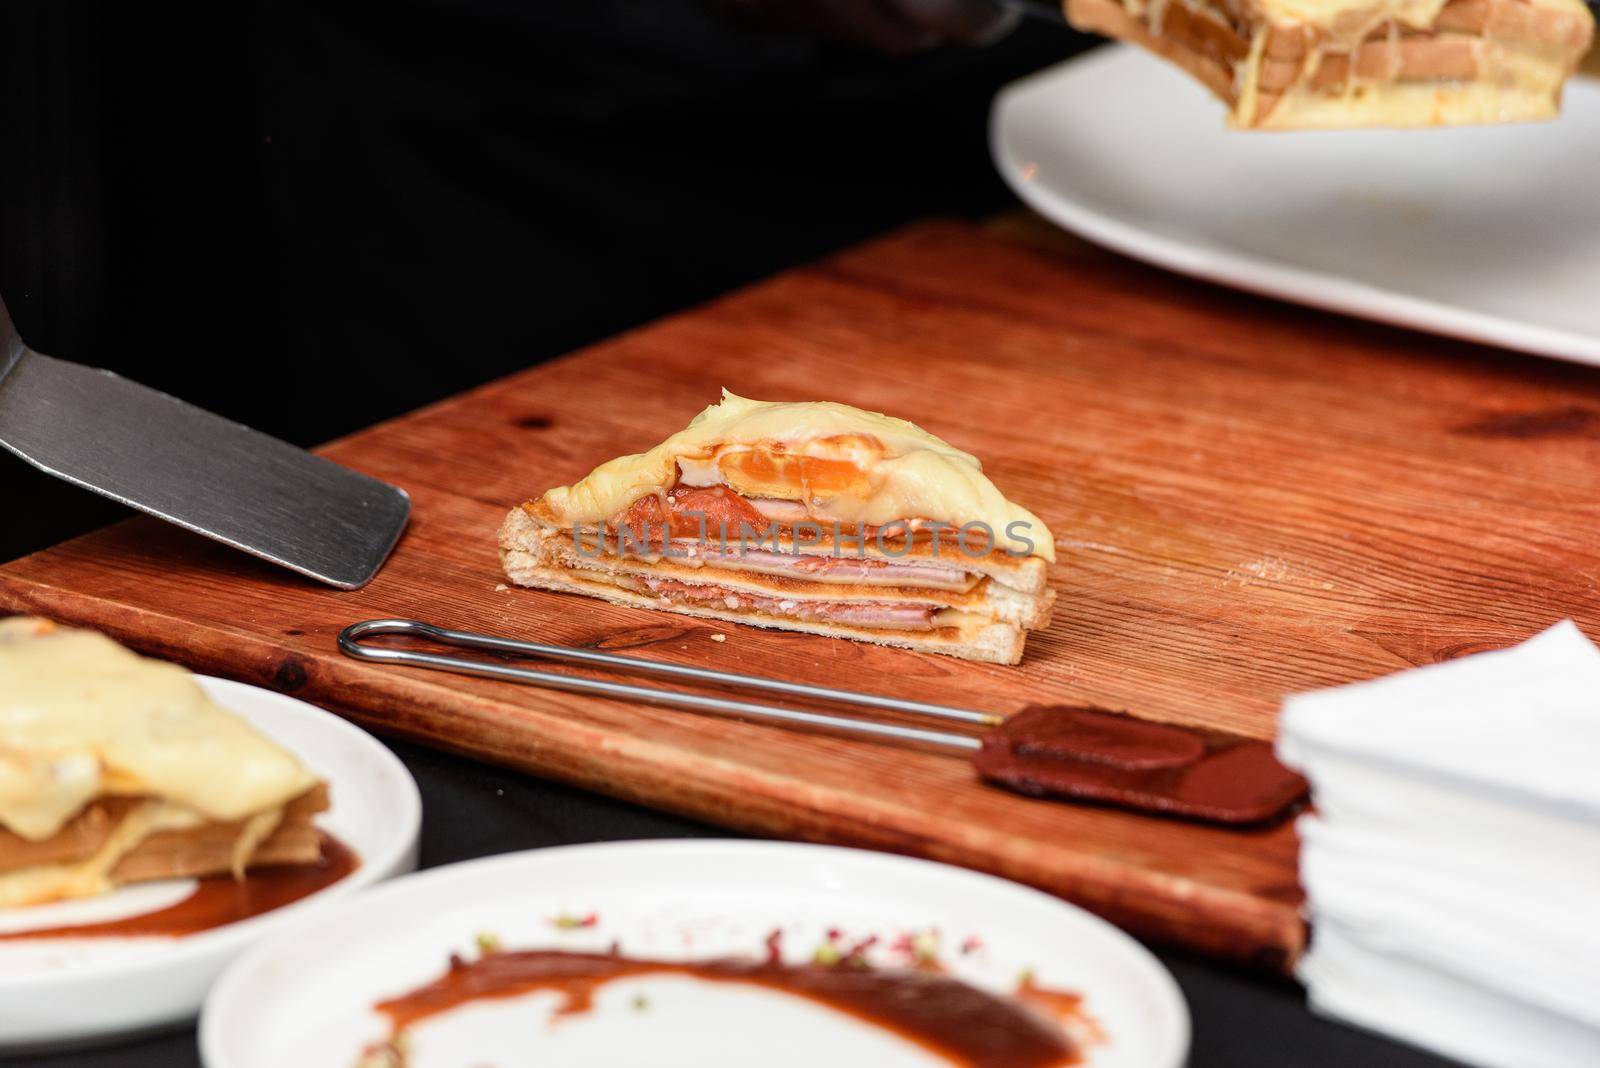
point(1319, 64)
point(116, 769)
point(814, 517)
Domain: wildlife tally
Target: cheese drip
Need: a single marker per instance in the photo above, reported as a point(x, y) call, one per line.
point(851, 466)
point(86, 878)
point(82, 717)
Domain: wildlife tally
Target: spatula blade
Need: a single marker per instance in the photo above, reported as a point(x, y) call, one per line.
point(211, 475)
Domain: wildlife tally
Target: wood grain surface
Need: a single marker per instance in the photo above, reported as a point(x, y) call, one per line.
point(1249, 499)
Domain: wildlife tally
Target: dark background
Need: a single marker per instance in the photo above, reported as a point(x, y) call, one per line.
point(311, 216)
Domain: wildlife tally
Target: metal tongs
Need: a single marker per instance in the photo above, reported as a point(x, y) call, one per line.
point(351, 643)
point(1073, 753)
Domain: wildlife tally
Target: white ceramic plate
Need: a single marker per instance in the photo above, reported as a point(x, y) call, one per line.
point(1486, 233)
point(62, 991)
point(305, 998)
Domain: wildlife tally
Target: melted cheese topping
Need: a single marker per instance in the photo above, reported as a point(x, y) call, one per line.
point(82, 717)
point(844, 464)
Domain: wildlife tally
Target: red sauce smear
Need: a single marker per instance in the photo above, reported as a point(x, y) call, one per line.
point(1091, 754)
point(221, 899)
point(967, 1026)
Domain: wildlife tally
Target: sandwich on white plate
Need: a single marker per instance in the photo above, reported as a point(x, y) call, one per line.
point(806, 516)
point(116, 769)
point(1321, 64)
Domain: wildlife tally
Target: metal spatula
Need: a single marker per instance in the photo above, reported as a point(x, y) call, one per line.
point(198, 470)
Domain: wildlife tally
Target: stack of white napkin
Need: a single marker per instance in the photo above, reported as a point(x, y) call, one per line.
point(1452, 866)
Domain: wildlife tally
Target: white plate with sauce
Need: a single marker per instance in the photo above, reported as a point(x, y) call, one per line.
point(310, 998)
point(87, 985)
point(1488, 233)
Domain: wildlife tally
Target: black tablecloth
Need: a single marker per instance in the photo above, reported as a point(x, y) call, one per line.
point(471, 810)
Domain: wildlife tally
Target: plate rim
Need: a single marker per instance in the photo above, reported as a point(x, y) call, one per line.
point(217, 940)
point(1162, 984)
point(1248, 272)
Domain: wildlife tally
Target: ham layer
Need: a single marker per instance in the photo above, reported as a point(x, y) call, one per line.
point(705, 525)
point(858, 613)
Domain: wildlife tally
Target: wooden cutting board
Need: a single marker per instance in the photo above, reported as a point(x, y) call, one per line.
point(1249, 499)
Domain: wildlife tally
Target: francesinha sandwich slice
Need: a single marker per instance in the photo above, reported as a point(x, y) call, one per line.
point(814, 517)
point(117, 769)
point(1323, 64)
